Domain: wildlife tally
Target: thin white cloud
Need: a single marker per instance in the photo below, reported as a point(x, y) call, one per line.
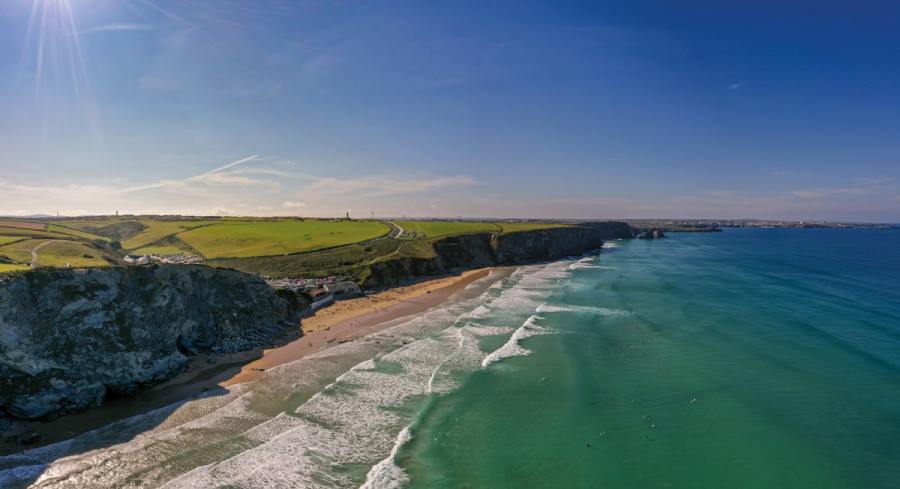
point(864, 186)
point(228, 189)
point(120, 26)
point(369, 187)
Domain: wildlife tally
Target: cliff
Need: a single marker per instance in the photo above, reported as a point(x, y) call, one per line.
point(489, 249)
point(70, 337)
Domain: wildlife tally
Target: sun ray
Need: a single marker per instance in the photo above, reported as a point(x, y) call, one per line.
point(60, 84)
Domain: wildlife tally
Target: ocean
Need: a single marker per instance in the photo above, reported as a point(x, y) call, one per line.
point(751, 358)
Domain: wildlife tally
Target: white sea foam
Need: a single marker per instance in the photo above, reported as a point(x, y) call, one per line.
point(589, 263)
point(600, 311)
point(478, 330)
point(478, 312)
point(349, 422)
point(610, 244)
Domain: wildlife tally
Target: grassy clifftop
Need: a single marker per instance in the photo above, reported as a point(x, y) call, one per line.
point(281, 247)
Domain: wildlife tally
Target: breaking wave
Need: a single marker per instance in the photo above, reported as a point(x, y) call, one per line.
point(512, 348)
point(599, 311)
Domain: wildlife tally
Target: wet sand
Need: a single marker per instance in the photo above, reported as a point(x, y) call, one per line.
point(344, 321)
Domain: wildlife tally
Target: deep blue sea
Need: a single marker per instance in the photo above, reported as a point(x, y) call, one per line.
point(751, 358)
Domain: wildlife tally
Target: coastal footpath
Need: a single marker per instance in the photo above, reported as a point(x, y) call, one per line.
point(69, 338)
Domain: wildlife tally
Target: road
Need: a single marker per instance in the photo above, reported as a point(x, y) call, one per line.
point(396, 230)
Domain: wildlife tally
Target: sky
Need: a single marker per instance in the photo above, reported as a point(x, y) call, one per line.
point(600, 109)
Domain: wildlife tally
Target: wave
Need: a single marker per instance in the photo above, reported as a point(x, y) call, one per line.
point(512, 348)
point(387, 474)
point(589, 263)
point(600, 311)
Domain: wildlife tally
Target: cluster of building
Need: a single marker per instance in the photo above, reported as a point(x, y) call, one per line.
point(177, 259)
point(324, 291)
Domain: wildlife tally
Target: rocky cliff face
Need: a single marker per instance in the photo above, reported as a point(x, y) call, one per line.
point(69, 337)
point(609, 230)
point(486, 249)
point(546, 244)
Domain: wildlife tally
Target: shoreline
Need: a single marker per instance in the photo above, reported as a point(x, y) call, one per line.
point(344, 321)
point(354, 318)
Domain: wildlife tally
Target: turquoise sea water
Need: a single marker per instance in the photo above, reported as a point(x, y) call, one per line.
point(742, 359)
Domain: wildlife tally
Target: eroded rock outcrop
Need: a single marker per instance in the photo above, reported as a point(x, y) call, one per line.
point(654, 233)
point(70, 337)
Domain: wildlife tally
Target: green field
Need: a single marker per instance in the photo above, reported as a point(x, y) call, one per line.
point(22, 232)
point(60, 253)
point(54, 253)
point(158, 229)
point(278, 247)
point(20, 224)
point(161, 250)
point(262, 238)
point(4, 267)
point(85, 224)
point(9, 239)
point(20, 251)
point(439, 229)
point(513, 227)
point(71, 231)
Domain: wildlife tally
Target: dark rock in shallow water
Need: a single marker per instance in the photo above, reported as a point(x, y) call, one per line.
point(70, 337)
point(654, 233)
point(29, 438)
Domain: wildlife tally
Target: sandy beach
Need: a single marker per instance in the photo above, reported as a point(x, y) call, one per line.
point(354, 318)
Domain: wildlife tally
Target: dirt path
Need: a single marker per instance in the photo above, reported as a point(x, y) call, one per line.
point(34, 253)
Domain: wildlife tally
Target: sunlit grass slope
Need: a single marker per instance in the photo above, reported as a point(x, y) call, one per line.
point(513, 227)
point(9, 239)
point(8, 267)
point(158, 229)
point(60, 253)
point(439, 229)
point(262, 238)
point(20, 251)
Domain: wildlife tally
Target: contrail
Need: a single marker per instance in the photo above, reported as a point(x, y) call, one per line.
point(167, 183)
point(225, 167)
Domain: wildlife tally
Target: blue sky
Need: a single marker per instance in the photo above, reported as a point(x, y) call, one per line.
point(504, 109)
